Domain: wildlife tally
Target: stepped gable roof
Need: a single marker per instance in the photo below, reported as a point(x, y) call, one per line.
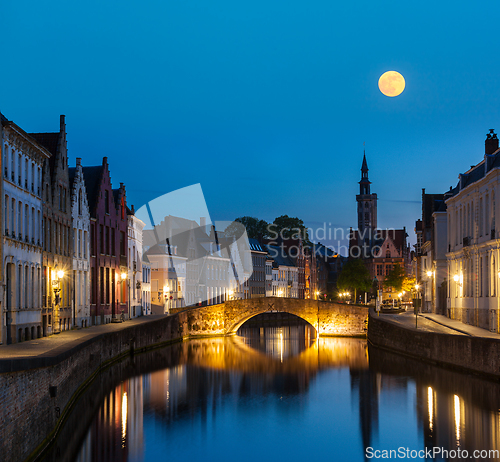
point(92, 177)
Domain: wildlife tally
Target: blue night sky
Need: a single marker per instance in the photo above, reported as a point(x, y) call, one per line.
point(267, 104)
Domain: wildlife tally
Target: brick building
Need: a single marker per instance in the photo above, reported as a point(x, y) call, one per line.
point(108, 245)
point(57, 223)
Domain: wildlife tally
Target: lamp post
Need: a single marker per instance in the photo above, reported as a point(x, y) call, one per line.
point(122, 278)
point(415, 308)
point(56, 287)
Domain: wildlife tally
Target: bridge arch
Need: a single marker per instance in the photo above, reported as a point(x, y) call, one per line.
point(241, 322)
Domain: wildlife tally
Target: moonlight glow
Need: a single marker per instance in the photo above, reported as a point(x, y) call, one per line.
point(391, 83)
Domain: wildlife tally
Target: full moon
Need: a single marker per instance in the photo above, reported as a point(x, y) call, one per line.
point(391, 83)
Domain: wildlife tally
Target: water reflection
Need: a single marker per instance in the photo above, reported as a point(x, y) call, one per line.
point(278, 342)
point(221, 399)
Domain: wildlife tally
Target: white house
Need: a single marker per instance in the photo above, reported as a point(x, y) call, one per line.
point(134, 229)
point(81, 255)
point(23, 159)
point(473, 242)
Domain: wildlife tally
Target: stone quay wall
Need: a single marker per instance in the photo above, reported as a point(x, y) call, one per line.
point(36, 393)
point(469, 354)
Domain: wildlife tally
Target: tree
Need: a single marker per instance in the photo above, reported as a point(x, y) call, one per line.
point(354, 276)
point(289, 228)
point(409, 284)
point(256, 228)
point(396, 278)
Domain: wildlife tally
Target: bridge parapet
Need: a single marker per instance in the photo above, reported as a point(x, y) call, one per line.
point(225, 319)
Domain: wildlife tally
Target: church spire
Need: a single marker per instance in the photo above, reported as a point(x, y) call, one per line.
point(364, 184)
point(364, 167)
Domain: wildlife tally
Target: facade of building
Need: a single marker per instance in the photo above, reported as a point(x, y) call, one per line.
point(168, 278)
point(285, 273)
point(146, 286)
point(431, 265)
point(257, 281)
point(81, 253)
point(473, 252)
point(108, 245)
point(57, 296)
point(134, 229)
point(269, 276)
point(23, 159)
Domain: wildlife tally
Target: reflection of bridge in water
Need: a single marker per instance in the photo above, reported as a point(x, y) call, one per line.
point(234, 354)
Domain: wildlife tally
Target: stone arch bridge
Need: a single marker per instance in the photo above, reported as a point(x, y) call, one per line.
point(329, 318)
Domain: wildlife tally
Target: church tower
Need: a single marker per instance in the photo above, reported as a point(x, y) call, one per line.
point(367, 206)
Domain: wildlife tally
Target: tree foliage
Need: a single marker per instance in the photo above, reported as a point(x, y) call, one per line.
point(354, 276)
point(396, 278)
point(255, 228)
point(289, 228)
point(409, 284)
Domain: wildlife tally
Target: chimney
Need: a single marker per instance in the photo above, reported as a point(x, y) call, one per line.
point(132, 209)
point(104, 161)
point(62, 122)
point(491, 142)
point(203, 222)
point(78, 161)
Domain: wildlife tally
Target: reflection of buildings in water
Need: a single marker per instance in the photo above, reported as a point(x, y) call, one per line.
point(117, 432)
point(278, 342)
point(109, 430)
point(454, 410)
point(216, 373)
point(367, 385)
point(452, 422)
point(134, 437)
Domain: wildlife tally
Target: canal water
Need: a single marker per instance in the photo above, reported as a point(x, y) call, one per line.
point(275, 393)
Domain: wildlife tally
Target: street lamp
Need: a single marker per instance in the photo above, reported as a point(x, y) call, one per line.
point(57, 276)
point(415, 308)
point(121, 279)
